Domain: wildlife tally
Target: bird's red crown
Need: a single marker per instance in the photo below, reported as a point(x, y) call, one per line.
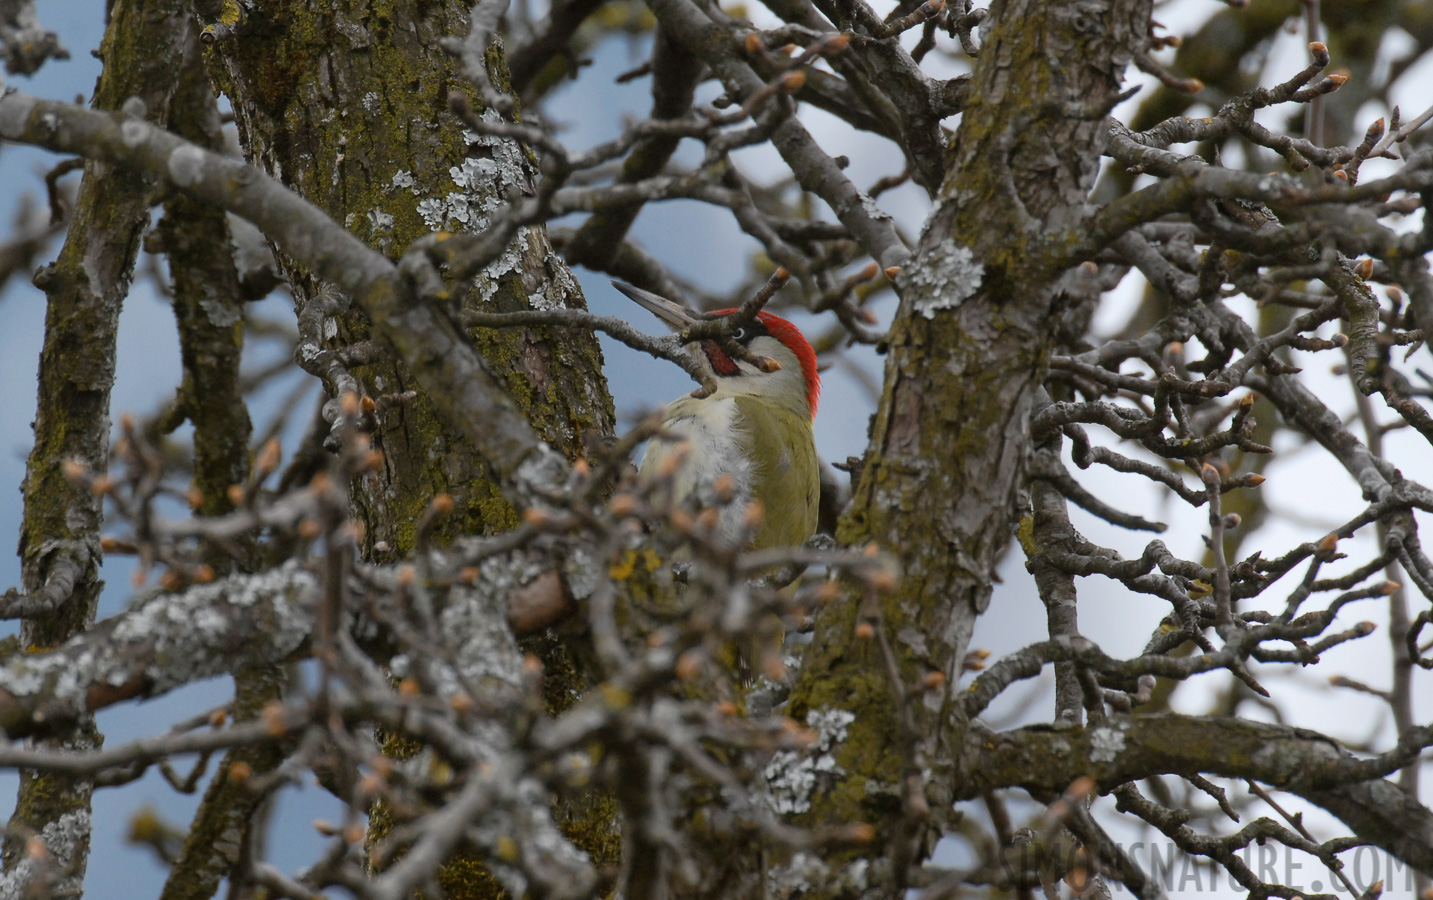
point(796, 342)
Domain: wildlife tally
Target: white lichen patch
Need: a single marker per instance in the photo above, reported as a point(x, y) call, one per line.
point(371, 101)
point(403, 179)
point(1107, 742)
point(434, 213)
point(133, 132)
point(553, 294)
point(540, 470)
point(583, 571)
point(495, 169)
point(61, 838)
point(791, 777)
point(808, 873)
point(495, 174)
point(380, 221)
point(477, 623)
point(185, 165)
point(181, 637)
point(220, 313)
point(868, 205)
point(944, 278)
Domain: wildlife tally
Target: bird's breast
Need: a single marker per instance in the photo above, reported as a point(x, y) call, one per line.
point(765, 450)
point(713, 440)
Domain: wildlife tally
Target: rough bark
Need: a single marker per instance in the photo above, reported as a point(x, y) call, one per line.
point(1045, 760)
point(208, 307)
point(347, 104)
point(949, 443)
point(59, 539)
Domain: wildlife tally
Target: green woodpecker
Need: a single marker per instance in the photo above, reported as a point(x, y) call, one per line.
point(754, 428)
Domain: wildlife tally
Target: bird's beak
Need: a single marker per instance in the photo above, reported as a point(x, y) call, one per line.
point(673, 314)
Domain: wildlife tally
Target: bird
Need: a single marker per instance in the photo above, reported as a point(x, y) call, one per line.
point(747, 449)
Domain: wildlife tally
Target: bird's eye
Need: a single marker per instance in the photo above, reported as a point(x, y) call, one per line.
point(738, 334)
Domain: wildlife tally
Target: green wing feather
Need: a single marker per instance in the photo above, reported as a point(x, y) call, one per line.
point(786, 479)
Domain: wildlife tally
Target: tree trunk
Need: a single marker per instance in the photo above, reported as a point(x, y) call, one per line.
point(59, 538)
point(348, 106)
point(967, 352)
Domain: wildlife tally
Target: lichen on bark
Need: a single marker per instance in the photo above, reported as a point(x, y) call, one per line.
point(348, 105)
point(966, 354)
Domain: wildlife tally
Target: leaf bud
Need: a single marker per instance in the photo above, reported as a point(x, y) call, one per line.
point(268, 459)
point(772, 666)
point(755, 512)
point(689, 664)
point(674, 459)
point(273, 717)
